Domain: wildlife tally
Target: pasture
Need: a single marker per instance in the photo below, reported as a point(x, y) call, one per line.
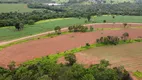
point(15, 7)
point(118, 19)
point(9, 33)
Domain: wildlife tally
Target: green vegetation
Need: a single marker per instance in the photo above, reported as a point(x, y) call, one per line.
point(138, 74)
point(119, 18)
point(58, 30)
point(46, 69)
point(15, 7)
point(78, 28)
point(9, 33)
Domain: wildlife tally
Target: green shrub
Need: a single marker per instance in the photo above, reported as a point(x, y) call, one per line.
point(71, 58)
point(87, 44)
point(91, 28)
point(31, 22)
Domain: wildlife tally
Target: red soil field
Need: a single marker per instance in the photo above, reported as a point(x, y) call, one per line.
point(38, 48)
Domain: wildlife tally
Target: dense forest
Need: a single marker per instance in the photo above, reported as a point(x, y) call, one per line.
point(69, 10)
point(47, 69)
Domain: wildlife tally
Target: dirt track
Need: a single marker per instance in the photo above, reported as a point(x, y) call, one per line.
point(38, 48)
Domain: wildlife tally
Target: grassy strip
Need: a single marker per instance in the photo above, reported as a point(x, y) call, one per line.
point(49, 20)
point(51, 35)
point(55, 57)
point(138, 74)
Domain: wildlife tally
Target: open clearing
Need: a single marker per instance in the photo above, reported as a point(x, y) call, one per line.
point(15, 7)
point(38, 48)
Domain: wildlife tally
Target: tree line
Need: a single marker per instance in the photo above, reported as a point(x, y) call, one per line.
point(47, 69)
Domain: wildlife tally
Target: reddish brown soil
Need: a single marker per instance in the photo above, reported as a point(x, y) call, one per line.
point(38, 48)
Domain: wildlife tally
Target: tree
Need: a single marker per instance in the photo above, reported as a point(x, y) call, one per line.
point(83, 29)
point(70, 28)
point(71, 58)
point(31, 22)
point(12, 65)
point(58, 30)
point(88, 17)
point(45, 77)
point(122, 73)
point(113, 17)
point(19, 26)
point(104, 21)
point(105, 63)
point(125, 36)
point(88, 77)
point(87, 44)
point(125, 24)
point(91, 28)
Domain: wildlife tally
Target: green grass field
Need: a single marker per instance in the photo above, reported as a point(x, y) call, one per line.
point(121, 19)
point(15, 7)
point(9, 33)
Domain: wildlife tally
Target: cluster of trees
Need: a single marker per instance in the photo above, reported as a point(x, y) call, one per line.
point(78, 28)
point(46, 69)
point(113, 40)
point(74, 28)
point(10, 19)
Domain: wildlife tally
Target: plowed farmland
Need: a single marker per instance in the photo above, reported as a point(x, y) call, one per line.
point(38, 48)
